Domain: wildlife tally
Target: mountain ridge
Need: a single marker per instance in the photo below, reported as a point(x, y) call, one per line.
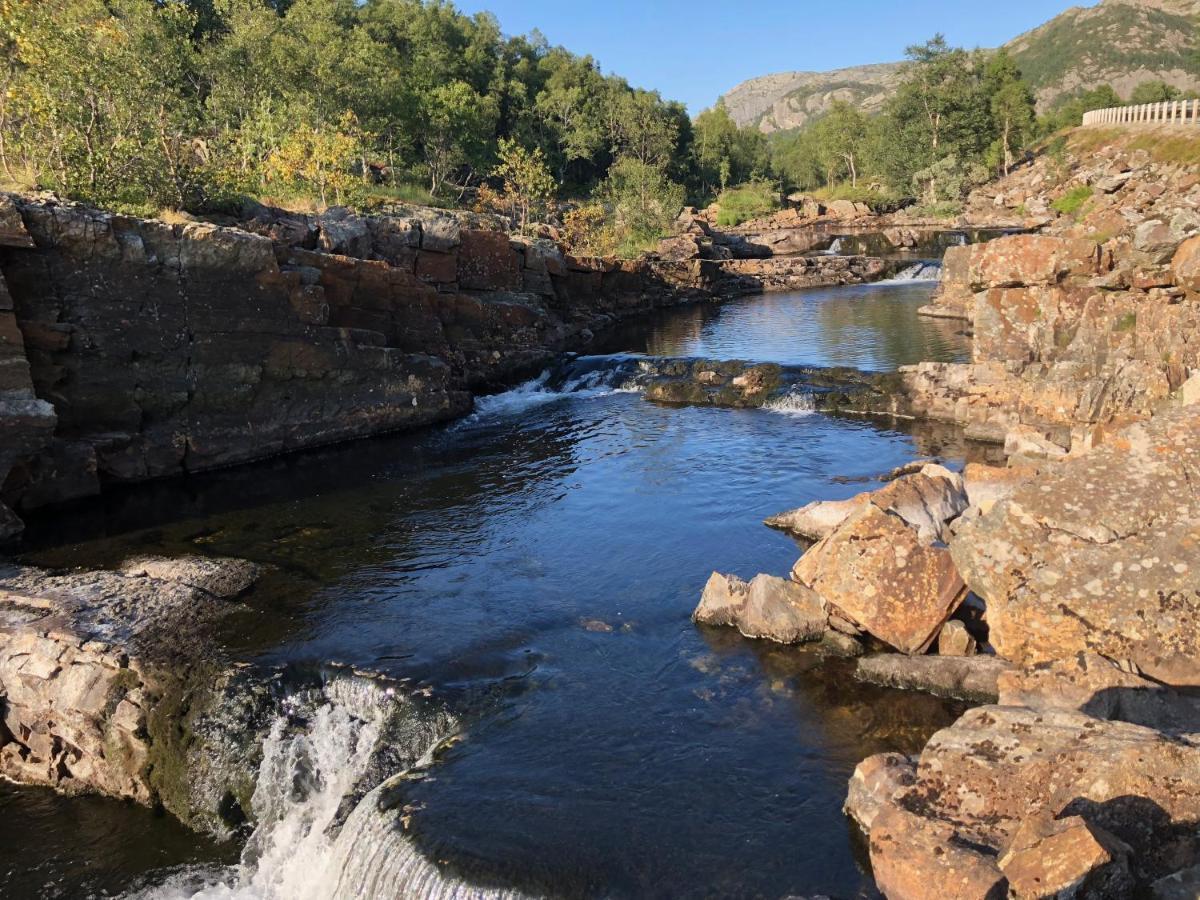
point(1117, 42)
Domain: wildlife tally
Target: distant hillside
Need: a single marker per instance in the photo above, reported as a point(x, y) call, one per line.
point(1119, 42)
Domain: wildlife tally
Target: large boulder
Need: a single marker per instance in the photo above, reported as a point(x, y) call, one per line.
point(986, 789)
point(928, 500)
point(878, 572)
point(1100, 553)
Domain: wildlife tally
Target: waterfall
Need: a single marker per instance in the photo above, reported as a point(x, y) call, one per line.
point(324, 750)
point(835, 249)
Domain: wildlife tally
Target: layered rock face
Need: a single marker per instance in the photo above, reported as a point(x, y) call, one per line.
point(1092, 322)
point(134, 349)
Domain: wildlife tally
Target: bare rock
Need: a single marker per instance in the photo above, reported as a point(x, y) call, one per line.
point(817, 519)
point(1030, 259)
point(915, 858)
point(971, 678)
point(1099, 553)
point(1185, 265)
point(722, 601)
point(1099, 687)
point(781, 610)
point(1050, 858)
point(955, 640)
point(987, 485)
point(877, 571)
point(1028, 442)
point(767, 607)
point(876, 781)
point(928, 500)
point(999, 766)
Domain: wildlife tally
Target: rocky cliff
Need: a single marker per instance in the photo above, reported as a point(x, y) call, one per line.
point(1064, 587)
point(1093, 321)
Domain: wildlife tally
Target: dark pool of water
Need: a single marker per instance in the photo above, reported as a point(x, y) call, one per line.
point(564, 540)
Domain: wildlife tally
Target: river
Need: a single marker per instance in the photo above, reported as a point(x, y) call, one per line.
point(537, 563)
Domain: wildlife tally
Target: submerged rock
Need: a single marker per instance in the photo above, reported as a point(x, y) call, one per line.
point(972, 678)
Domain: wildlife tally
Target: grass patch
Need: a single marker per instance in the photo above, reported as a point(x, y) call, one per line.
point(1072, 201)
point(1169, 148)
point(748, 201)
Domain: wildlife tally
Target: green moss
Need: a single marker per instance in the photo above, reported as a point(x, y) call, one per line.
point(1127, 322)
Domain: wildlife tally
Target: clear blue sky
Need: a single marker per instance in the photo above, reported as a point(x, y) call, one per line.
point(695, 51)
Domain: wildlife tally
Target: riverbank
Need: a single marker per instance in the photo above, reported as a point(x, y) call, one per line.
point(1061, 588)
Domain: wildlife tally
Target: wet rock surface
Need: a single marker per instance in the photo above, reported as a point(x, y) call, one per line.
point(974, 678)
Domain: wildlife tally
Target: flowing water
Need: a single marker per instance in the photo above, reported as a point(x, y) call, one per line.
point(532, 568)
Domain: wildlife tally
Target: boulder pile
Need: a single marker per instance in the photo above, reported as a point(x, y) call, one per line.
point(1062, 589)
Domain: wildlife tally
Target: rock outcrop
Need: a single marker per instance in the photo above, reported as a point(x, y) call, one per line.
point(86, 661)
point(1004, 780)
point(1099, 554)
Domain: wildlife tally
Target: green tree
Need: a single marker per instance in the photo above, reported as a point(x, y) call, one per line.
point(528, 184)
point(841, 138)
point(1154, 92)
point(643, 200)
point(1012, 106)
point(456, 125)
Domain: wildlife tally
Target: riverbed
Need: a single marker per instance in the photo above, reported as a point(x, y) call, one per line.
point(538, 562)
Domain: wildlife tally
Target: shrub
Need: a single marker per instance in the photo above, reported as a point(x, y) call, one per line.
point(748, 201)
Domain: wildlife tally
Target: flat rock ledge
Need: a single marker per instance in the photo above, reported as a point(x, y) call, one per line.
point(971, 678)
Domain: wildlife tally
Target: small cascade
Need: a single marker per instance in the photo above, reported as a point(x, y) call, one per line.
point(578, 377)
point(919, 271)
point(323, 827)
point(835, 249)
point(796, 402)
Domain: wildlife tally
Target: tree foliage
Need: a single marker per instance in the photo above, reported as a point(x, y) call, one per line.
point(180, 103)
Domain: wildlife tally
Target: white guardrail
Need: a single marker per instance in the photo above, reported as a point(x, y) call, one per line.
point(1169, 112)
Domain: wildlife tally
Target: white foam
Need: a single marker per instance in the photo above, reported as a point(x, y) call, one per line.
point(793, 403)
point(917, 272)
point(297, 851)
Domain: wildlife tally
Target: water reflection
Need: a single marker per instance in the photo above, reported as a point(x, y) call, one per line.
point(871, 327)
